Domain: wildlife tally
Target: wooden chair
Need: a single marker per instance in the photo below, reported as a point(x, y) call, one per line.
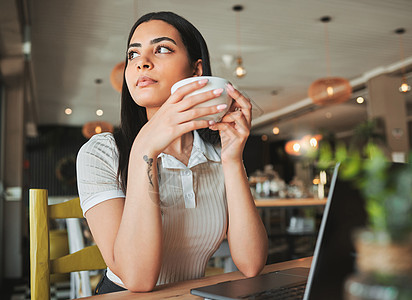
point(41, 266)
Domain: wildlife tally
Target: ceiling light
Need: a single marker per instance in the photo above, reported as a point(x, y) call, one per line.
point(313, 142)
point(68, 111)
point(293, 148)
point(329, 90)
point(264, 137)
point(228, 60)
point(360, 100)
point(240, 71)
point(99, 112)
point(310, 142)
point(276, 130)
point(404, 87)
point(296, 147)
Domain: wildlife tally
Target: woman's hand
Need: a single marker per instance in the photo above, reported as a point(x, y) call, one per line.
point(177, 116)
point(234, 128)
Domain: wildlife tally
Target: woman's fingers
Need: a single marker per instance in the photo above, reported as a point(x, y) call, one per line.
point(233, 125)
point(199, 112)
point(192, 125)
point(225, 127)
point(240, 99)
point(239, 119)
point(241, 103)
point(181, 92)
point(193, 100)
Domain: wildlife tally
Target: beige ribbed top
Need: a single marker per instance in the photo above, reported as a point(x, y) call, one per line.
point(193, 202)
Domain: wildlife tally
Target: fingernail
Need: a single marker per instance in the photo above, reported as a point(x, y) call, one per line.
point(221, 106)
point(211, 122)
point(217, 92)
point(203, 81)
point(230, 87)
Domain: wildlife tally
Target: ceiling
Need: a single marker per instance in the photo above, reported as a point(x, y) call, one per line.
point(282, 44)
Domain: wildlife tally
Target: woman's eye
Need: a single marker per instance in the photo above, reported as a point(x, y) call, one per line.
point(163, 49)
point(132, 55)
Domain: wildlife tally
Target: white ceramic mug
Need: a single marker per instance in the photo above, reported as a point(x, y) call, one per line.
point(213, 84)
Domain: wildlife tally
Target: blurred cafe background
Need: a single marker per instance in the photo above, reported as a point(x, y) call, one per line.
point(315, 70)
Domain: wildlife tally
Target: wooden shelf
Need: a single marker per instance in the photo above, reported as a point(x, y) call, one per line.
point(289, 202)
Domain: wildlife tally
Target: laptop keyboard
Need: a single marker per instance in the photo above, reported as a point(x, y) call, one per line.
point(285, 293)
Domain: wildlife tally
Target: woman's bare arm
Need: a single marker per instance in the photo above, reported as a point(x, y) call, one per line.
point(247, 236)
point(129, 231)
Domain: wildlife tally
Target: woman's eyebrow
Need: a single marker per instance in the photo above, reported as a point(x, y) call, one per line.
point(154, 41)
point(163, 38)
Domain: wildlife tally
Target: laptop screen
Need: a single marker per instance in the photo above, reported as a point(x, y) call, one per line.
point(334, 257)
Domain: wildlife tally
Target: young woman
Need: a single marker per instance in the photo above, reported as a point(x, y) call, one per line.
point(163, 192)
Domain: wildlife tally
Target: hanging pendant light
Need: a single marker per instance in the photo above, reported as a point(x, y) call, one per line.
point(95, 127)
point(404, 87)
point(240, 71)
point(329, 90)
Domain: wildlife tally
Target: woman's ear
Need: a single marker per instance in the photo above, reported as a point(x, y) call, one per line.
point(198, 68)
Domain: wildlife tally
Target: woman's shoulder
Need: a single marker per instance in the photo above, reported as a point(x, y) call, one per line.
point(102, 143)
point(105, 138)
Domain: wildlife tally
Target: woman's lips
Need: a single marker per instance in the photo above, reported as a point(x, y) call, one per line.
point(145, 81)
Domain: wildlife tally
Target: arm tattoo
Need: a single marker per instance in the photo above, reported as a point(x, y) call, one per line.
point(149, 162)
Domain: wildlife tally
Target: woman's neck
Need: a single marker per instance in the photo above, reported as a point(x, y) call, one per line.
point(181, 148)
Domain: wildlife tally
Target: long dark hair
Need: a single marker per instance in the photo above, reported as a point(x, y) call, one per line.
point(133, 116)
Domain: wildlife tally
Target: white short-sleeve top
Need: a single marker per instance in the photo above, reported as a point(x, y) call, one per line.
point(193, 201)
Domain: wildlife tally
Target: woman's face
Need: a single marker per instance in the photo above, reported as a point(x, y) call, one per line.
point(157, 59)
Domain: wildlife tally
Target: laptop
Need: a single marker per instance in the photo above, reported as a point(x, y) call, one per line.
point(333, 259)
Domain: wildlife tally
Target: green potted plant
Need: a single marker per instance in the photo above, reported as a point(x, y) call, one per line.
point(384, 247)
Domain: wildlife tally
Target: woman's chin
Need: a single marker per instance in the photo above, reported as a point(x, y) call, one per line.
point(149, 103)
point(147, 98)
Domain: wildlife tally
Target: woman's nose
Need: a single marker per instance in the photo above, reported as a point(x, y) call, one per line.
point(144, 63)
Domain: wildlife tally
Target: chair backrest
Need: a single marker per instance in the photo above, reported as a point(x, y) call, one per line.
point(41, 266)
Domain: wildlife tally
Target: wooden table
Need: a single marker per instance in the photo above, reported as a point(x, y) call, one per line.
point(181, 290)
point(289, 202)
